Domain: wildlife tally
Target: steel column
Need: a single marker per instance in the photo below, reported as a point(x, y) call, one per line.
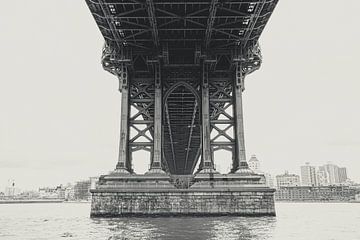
point(157, 154)
point(240, 157)
point(124, 164)
point(207, 162)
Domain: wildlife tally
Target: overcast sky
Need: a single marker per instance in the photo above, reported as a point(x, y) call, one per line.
point(59, 110)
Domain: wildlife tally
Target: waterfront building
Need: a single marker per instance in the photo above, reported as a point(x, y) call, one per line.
point(342, 175)
point(93, 182)
point(269, 180)
point(29, 195)
point(315, 193)
point(336, 175)
point(82, 190)
point(47, 192)
point(69, 193)
point(287, 179)
point(322, 177)
point(11, 190)
point(254, 164)
point(308, 175)
point(333, 173)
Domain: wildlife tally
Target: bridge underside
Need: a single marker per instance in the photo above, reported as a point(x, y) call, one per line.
point(181, 66)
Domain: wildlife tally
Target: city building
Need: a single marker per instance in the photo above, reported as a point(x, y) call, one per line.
point(322, 177)
point(93, 182)
point(29, 195)
point(287, 179)
point(11, 190)
point(57, 192)
point(69, 193)
point(333, 173)
point(82, 190)
point(342, 175)
point(308, 175)
point(48, 193)
point(254, 164)
point(269, 180)
point(315, 193)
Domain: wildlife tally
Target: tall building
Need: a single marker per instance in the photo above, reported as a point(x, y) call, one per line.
point(254, 164)
point(82, 190)
point(333, 173)
point(11, 190)
point(308, 175)
point(322, 177)
point(286, 179)
point(342, 175)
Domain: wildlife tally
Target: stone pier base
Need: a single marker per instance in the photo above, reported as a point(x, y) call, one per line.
point(156, 196)
point(246, 202)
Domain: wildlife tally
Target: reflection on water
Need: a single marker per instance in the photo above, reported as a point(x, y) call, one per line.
point(294, 221)
point(188, 228)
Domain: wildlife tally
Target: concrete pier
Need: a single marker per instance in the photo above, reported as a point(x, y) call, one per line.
point(141, 195)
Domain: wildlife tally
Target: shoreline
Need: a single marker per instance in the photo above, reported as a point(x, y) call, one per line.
point(316, 201)
point(26, 201)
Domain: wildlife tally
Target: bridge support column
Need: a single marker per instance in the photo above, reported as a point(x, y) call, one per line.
point(124, 164)
point(156, 163)
point(239, 165)
point(207, 164)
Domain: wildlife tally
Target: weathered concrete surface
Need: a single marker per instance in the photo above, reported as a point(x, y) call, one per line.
point(212, 194)
point(241, 202)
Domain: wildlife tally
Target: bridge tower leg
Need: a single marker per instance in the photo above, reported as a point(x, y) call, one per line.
point(124, 165)
point(156, 163)
point(207, 164)
point(239, 165)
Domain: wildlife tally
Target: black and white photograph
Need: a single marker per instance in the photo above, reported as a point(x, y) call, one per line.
point(179, 119)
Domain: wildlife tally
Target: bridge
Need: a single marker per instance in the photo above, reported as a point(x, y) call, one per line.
point(181, 67)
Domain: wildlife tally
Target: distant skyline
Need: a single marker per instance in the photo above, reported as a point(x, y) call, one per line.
point(298, 172)
point(60, 111)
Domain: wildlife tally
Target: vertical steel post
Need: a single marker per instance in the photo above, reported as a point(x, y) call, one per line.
point(207, 162)
point(157, 153)
point(124, 164)
point(240, 157)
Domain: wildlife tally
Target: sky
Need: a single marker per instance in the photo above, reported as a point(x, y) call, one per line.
point(60, 111)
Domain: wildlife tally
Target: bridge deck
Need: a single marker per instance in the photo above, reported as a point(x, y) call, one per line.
point(146, 25)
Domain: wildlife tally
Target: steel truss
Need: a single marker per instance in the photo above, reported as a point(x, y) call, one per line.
point(181, 67)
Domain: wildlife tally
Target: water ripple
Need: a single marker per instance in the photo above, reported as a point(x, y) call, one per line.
point(71, 221)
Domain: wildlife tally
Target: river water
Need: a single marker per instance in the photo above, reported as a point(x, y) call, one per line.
point(300, 221)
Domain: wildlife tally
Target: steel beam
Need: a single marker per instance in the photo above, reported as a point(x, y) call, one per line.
point(254, 19)
point(170, 134)
point(106, 12)
point(152, 19)
point(210, 22)
point(191, 133)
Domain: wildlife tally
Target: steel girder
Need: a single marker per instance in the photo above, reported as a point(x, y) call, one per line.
point(215, 25)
